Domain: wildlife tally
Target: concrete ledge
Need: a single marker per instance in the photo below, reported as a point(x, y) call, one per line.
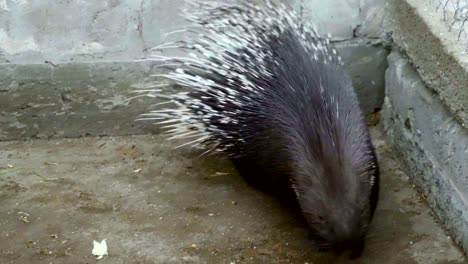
point(91, 99)
point(439, 58)
point(433, 144)
point(71, 100)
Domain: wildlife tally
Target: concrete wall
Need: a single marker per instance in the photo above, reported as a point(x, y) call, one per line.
point(425, 111)
point(67, 67)
point(434, 145)
point(85, 30)
point(345, 19)
point(440, 58)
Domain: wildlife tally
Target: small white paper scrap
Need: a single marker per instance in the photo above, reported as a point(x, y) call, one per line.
point(99, 249)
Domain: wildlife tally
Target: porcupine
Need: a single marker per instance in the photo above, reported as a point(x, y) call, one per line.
point(272, 94)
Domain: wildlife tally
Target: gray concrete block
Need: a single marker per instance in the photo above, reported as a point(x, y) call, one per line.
point(366, 64)
point(339, 18)
point(38, 31)
point(72, 100)
point(375, 18)
point(434, 144)
point(344, 20)
point(439, 57)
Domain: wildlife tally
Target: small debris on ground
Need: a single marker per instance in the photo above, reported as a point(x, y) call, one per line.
point(23, 217)
point(217, 174)
point(99, 249)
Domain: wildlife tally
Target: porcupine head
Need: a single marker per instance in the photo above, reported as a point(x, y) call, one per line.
point(256, 73)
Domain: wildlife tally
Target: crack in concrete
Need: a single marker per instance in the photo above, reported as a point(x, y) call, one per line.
point(140, 25)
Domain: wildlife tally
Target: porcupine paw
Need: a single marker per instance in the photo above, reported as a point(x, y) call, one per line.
point(357, 250)
point(317, 243)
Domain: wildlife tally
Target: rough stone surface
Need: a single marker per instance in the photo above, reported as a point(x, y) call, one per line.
point(71, 100)
point(157, 205)
point(38, 31)
point(339, 18)
point(433, 144)
point(365, 63)
point(92, 99)
point(344, 19)
point(439, 57)
point(375, 19)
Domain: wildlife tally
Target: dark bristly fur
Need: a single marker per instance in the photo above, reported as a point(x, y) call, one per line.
point(273, 95)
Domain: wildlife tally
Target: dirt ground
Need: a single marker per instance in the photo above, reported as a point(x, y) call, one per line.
point(154, 204)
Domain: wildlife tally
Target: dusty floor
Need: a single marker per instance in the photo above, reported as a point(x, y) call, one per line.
point(158, 205)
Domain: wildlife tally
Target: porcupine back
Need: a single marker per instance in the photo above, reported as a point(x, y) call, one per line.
point(269, 92)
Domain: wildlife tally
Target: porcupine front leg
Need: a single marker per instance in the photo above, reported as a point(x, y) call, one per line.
point(261, 177)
